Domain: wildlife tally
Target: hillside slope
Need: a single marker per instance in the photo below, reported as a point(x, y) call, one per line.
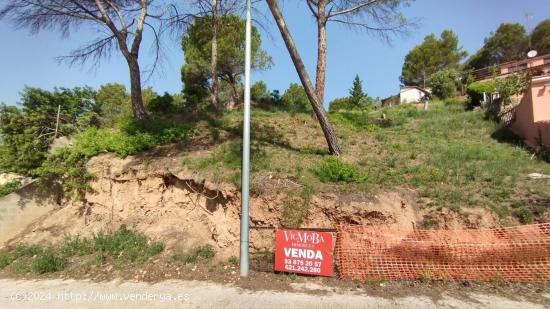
point(438, 169)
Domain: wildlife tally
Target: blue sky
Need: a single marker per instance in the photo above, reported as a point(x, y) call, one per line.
point(27, 59)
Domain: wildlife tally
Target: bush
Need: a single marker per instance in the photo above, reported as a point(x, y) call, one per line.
point(475, 91)
point(444, 83)
point(295, 99)
point(334, 170)
point(162, 104)
point(9, 187)
point(524, 215)
point(47, 262)
point(126, 246)
point(66, 167)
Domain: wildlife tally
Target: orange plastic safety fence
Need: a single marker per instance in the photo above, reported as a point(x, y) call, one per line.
point(519, 253)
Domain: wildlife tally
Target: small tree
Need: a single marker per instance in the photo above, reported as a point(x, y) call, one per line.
point(444, 83)
point(295, 98)
point(356, 94)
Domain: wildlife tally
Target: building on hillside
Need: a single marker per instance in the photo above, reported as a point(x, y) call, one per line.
point(412, 94)
point(537, 65)
point(529, 117)
point(406, 95)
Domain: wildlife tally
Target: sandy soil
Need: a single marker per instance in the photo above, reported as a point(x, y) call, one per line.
point(193, 294)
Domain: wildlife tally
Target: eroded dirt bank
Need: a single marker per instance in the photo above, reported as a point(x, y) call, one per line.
point(185, 211)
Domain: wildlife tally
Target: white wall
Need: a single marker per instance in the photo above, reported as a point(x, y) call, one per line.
point(410, 95)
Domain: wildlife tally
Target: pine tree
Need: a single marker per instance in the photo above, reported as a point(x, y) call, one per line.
point(356, 91)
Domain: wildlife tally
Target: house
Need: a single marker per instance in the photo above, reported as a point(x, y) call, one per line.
point(529, 117)
point(539, 65)
point(412, 94)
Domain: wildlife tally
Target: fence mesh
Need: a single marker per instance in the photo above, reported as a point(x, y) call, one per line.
point(519, 253)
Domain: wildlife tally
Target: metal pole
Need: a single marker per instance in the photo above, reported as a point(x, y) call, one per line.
point(246, 150)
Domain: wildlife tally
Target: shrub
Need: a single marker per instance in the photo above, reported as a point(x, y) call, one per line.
point(444, 83)
point(6, 258)
point(162, 104)
point(48, 261)
point(334, 170)
point(126, 246)
point(66, 167)
point(9, 187)
point(524, 215)
point(475, 91)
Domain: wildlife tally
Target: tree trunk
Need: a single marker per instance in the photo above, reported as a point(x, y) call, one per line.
point(135, 90)
point(234, 92)
point(214, 56)
point(321, 53)
point(328, 131)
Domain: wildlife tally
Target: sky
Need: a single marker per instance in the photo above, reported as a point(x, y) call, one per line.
point(30, 59)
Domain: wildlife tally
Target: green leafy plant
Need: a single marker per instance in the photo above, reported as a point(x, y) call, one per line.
point(335, 170)
point(476, 89)
point(9, 187)
point(48, 261)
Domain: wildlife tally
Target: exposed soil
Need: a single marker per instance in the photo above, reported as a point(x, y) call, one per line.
point(154, 194)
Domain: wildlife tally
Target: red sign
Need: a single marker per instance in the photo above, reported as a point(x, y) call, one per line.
point(303, 252)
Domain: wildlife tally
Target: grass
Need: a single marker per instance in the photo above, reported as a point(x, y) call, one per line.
point(202, 253)
point(451, 157)
point(124, 247)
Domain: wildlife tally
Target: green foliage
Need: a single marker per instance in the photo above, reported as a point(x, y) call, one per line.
point(524, 215)
point(431, 56)
point(339, 104)
point(201, 253)
point(510, 86)
point(428, 222)
point(28, 131)
point(356, 94)
point(122, 247)
point(125, 246)
point(233, 260)
point(260, 94)
point(197, 46)
point(540, 38)
point(295, 99)
point(48, 261)
point(6, 258)
point(358, 100)
point(65, 168)
point(114, 102)
point(334, 170)
point(164, 104)
point(508, 43)
point(475, 91)
point(444, 83)
point(9, 187)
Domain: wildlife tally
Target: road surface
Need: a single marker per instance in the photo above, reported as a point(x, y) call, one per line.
point(192, 294)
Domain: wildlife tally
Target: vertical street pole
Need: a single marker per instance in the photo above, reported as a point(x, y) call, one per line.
point(245, 173)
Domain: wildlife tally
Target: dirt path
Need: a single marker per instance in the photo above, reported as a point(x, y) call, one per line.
point(193, 294)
